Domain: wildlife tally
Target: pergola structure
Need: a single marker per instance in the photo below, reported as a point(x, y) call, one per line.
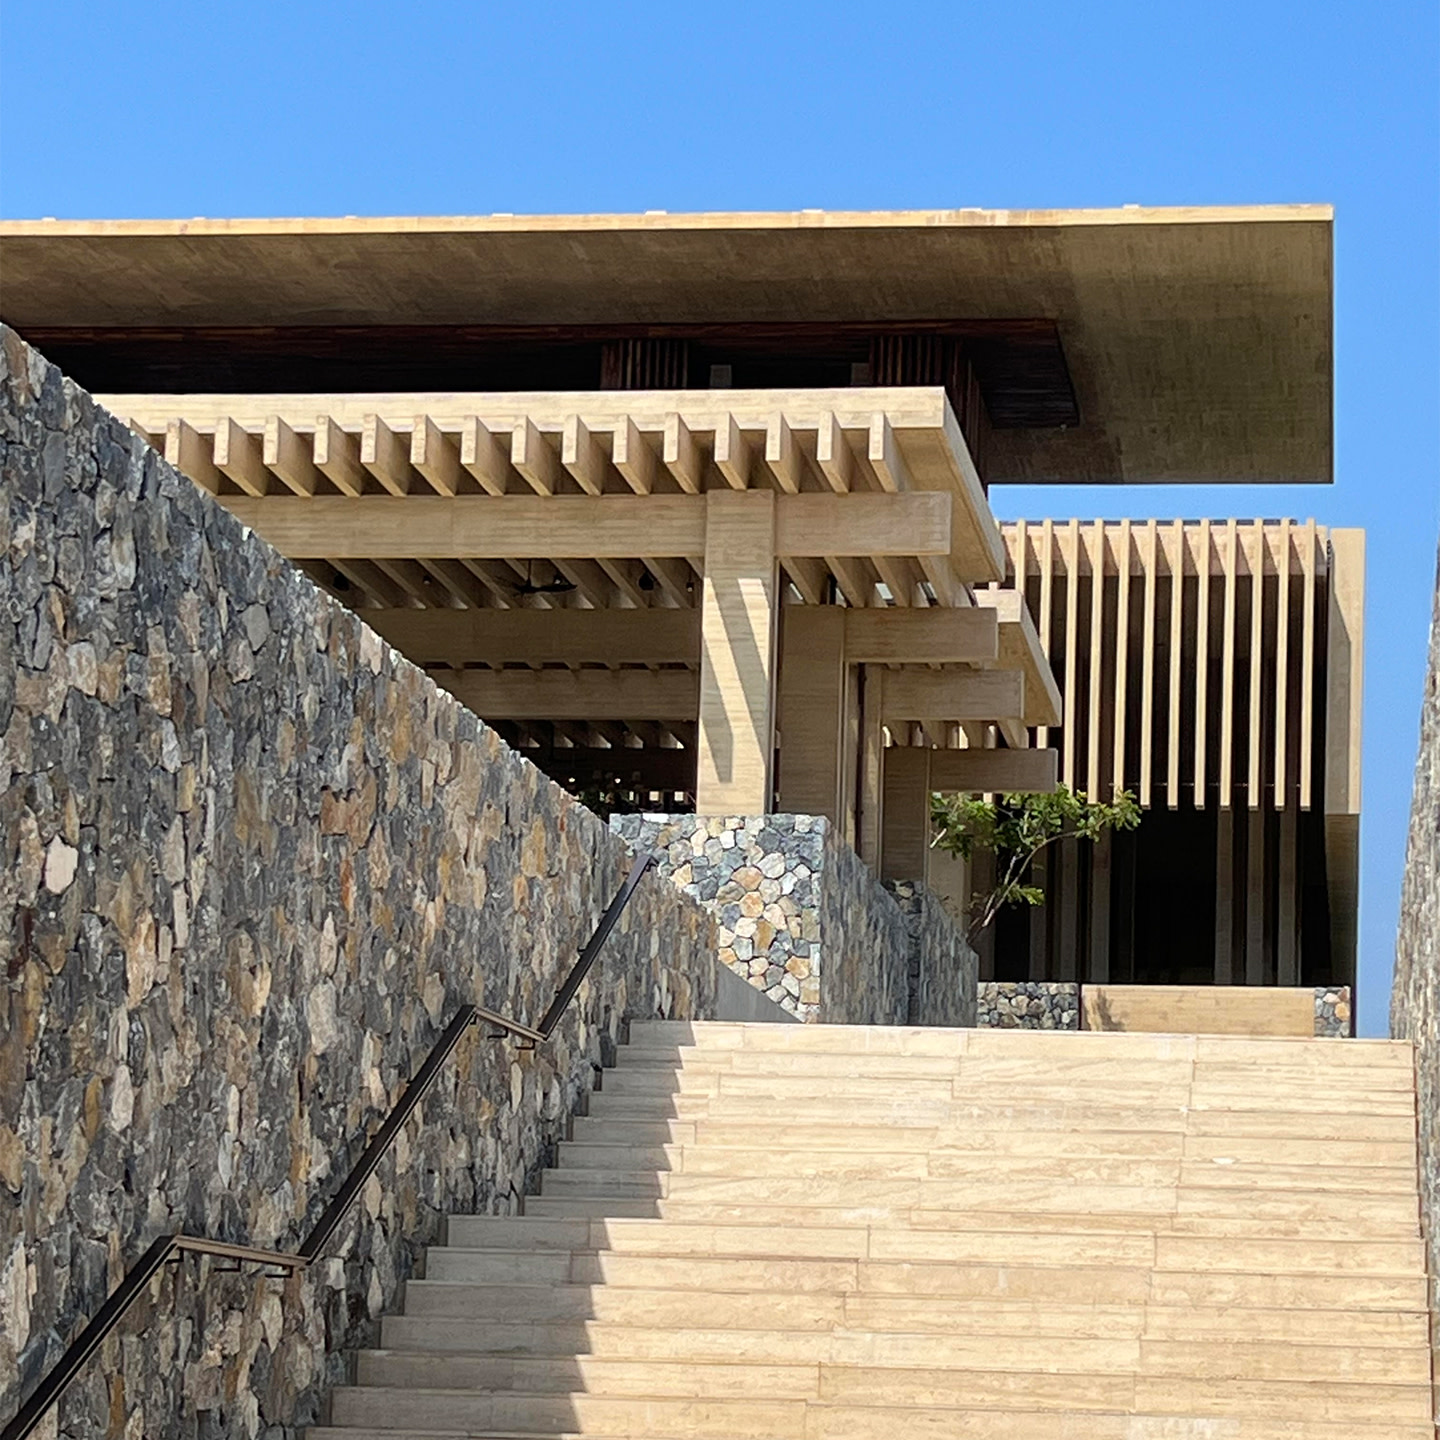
point(667, 571)
point(694, 508)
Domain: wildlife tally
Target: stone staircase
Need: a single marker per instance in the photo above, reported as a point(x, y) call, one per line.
point(767, 1232)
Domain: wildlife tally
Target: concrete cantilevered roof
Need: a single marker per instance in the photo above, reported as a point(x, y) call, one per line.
point(1199, 340)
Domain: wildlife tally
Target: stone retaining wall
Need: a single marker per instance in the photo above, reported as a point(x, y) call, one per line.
point(800, 915)
point(1028, 1005)
point(1415, 999)
point(253, 861)
point(943, 968)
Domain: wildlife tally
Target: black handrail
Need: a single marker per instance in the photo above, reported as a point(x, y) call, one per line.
point(169, 1247)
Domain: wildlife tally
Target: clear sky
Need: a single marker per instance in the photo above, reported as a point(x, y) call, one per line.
point(127, 109)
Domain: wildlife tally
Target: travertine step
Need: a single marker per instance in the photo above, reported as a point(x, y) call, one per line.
point(856, 1233)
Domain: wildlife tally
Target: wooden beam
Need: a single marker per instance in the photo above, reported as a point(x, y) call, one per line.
point(386, 455)
point(485, 455)
point(854, 577)
point(1020, 649)
point(810, 578)
point(995, 772)
point(954, 695)
point(783, 456)
point(336, 455)
point(544, 637)
point(737, 654)
point(239, 456)
point(584, 456)
point(863, 525)
point(580, 526)
point(681, 455)
point(289, 455)
point(435, 455)
point(189, 451)
point(834, 455)
point(674, 577)
point(535, 459)
point(634, 458)
point(734, 455)
point(922, 637)
point(574, 694)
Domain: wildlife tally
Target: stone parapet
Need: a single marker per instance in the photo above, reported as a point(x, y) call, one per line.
point(253, 862)
point(800, 915)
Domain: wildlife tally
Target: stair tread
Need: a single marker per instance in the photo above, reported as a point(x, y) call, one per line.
point(955, 1235)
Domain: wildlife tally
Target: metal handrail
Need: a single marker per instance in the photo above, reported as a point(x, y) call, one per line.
point(170, 1247)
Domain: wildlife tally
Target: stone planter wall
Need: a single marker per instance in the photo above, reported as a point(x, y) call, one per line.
point(1028, 1005)
point(1415, 999)
point(800, 915)
point(943, 967)
point(253, 862)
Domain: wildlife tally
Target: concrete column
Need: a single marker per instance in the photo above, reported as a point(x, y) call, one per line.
point(737, 654)
point(905, 823)
point(812, 710)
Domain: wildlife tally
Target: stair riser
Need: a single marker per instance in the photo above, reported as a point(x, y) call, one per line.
point(864, 1233)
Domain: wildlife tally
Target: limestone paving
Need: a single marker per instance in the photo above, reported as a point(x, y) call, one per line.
point(1111, 1270)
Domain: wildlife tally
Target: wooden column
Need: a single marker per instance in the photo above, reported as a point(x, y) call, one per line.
point(905, 822)
point(737, 654)
point(812, 710)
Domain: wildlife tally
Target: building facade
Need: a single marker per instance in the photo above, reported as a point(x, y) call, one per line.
point(696, 511)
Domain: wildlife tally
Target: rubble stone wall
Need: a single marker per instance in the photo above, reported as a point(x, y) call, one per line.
point(801, 916)
point(1415, 999)
point(1028, 1005)
point(253, 862)
point(943, 967)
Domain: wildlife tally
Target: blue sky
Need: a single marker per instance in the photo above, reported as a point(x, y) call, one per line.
point(168, 109)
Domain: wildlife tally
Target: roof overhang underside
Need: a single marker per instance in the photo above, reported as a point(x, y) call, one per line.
point(1199, 341)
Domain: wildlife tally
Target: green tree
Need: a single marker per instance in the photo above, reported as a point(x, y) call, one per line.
point(1017, 828)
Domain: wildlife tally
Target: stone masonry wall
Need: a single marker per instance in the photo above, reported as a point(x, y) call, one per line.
point(1415, 1000)
point(1028, 1005)
point(801, 916)
point(943, 967)
point(1334, 1012)
point(253, 861)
